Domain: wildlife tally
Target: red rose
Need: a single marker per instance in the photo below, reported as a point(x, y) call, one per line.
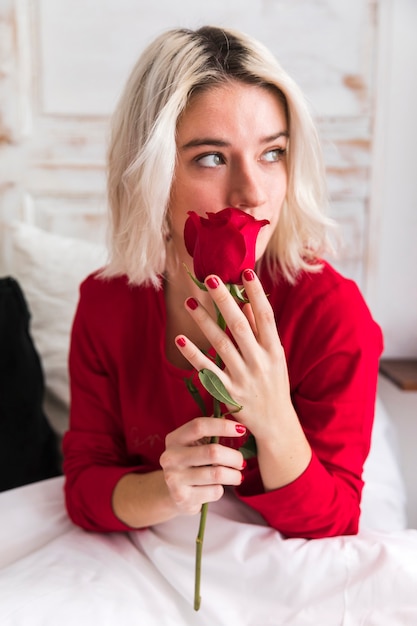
point(224, 243)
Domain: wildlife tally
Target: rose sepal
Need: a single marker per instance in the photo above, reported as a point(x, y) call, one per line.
point(237, 292)
point(195, 280)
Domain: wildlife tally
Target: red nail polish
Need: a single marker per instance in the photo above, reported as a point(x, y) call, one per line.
point(180, 342)
point(244, 464)
point(192, 303)
point(240, 429)
point(248, 275)
point(212, 282)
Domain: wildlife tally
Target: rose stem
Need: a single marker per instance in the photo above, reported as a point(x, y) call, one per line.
point(204, 509)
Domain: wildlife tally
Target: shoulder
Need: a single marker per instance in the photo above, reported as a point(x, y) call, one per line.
point(322, 281)
point(322, 289)
point(324, 304)
point(330, 292)
point(114, 298)
point(96, 287)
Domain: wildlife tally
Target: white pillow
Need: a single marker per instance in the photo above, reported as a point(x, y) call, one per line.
point(50, 268)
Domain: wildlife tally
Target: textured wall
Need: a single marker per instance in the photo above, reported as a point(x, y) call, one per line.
point(63, 63)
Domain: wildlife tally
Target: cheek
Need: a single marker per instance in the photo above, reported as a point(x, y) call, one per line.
point(262, 241)
point(192, 196)
point(266, 233)
point(180, 203)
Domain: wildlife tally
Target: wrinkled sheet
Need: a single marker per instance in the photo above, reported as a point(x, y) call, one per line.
point(55, 574)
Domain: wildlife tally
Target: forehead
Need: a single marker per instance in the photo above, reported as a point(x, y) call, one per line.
point(230, 102)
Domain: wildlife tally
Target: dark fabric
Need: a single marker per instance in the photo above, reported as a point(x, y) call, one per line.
point(29, 447)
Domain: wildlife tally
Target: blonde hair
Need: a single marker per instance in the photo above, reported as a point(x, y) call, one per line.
point(142, 151)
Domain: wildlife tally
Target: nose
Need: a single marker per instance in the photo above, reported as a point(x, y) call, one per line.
point(245, 186)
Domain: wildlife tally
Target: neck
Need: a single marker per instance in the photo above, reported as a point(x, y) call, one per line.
point(179, 283)
point(178, 287)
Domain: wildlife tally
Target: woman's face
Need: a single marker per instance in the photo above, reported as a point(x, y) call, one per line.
point(231, 152)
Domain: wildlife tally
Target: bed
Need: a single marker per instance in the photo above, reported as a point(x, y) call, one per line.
point(52, 572)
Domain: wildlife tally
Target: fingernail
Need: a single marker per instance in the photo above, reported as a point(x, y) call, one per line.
point(180, 342)
point(212, 282)
point(192, 303)
point(248, 275)
point(242, 478)
point(240, 429)
point(244, 464)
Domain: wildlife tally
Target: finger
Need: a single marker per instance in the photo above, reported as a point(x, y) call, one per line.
point(247, 310)
point(236, 321)
point(190, 499)
point(191, 486)
point(221, 342)
point(183, 458)
point(198, 428)
point(264, 317)
point(213, 475)
point(196, 357)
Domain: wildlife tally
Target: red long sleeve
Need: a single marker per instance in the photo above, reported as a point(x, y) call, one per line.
point(332, 347)
point(125, 397)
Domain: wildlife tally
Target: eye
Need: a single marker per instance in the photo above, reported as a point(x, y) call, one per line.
point(274, 155)
point(214, 159)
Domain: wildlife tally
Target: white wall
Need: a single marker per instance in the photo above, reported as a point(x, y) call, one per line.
point(62, 65)
point(391, 287)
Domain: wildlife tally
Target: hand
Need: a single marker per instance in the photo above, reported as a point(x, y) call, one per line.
point(255, 372)
point(255, 375)
point(195, 471)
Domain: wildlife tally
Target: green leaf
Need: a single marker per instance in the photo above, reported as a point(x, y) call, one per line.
point(215, 387)
point(196, 395)
point(249, 449)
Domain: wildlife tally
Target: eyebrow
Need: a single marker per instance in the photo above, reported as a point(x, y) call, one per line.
point(210, 141)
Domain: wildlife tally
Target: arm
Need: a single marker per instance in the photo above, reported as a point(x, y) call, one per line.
point(333, 348)
point(107, 487)
point(191, 475)
point(114, 497)
point(307, 483)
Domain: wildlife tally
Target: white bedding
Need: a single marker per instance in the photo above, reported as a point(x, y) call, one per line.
point(53, 573)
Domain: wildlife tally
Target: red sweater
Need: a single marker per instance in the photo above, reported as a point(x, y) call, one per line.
point(126, 396)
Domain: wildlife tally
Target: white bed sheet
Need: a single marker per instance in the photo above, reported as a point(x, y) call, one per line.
point(53, 573)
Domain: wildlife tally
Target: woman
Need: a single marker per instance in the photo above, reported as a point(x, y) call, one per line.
point(209, 120)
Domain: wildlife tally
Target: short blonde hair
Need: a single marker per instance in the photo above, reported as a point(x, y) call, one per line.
point(142, 151)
